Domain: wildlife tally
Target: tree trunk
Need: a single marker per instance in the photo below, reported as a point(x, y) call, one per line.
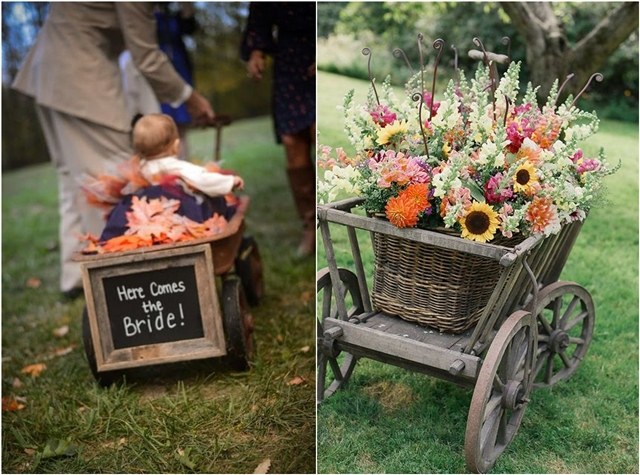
point(548, 55)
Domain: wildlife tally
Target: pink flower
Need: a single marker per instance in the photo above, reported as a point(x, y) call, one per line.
point(398, 168)
point(493, 194)
point(428, 100)
point(576, 156)
point(382, 116)
point(588, 165)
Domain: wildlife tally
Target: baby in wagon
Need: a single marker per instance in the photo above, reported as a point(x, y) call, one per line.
point(201, 192)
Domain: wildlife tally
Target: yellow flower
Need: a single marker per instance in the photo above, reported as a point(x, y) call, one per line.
point(392, 133)
point(525, 178)
point(480, 223)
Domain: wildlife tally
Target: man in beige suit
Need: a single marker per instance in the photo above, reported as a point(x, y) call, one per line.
point(72, 72)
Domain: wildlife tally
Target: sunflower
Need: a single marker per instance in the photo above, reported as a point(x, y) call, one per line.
point(401, 211)
point(392, 133)
point(480, 223)
point(524, 178)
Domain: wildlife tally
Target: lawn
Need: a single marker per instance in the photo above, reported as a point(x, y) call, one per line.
point(389, 420)
point(195, 417)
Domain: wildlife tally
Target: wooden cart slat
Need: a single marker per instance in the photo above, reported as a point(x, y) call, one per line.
point(429, 353)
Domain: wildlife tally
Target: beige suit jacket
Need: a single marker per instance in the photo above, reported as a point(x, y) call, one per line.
point(73, 65)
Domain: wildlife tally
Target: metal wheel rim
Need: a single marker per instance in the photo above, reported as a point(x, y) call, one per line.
point(341, 369)
point(579, 310)
point(509, 364)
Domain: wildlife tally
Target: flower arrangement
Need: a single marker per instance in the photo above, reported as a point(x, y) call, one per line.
point(483, 160)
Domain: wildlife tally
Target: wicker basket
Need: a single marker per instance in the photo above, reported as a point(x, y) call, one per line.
point(433, 286)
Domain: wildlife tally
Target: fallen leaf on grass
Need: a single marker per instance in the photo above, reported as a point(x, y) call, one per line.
point(115, 444)
point(182, 456)
point(10, 403)
point(30, 452)
point(61, 331)
point(33, 282)
point(279, 338)
point(305, 349)
point(263, 467)
point(64, 351)
point(34, 370)
point(296, 381)
point(307, 295)
point(59, 448)
point(16, 383)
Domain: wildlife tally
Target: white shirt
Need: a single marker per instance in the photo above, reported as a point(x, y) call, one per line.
point(209, 183)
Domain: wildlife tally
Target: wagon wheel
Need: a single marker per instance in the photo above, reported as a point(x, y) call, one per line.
point(565, 314)
point(249, 269)
point(502, 390)
point(341, 363)
point(104, 378)
point(238, 324)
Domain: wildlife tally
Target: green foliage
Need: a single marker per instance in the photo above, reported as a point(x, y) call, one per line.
point(397, 25)
point(197, 416)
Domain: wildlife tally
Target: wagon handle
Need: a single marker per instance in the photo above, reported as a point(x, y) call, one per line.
point(522, 248)
point(218, 123)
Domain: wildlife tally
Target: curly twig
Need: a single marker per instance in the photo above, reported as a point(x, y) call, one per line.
point(367, 52)
point(597, 76)
point(507, 42)
point(415, 97)
point(438, 45)
point(399, 53)
point(566, 80)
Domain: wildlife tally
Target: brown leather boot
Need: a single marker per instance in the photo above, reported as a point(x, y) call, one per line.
point(303, 187)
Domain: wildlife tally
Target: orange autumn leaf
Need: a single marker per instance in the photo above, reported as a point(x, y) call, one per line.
point(33, 282)
point(125, 243)
point(9, 403)
point(298, 380)
point(34, 370)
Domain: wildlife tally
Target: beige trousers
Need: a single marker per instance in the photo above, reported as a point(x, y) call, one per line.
point(77, 146)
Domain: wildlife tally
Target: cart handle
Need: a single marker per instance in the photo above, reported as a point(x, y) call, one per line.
point(523, 248)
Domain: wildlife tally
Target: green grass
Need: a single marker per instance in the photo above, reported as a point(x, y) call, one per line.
point(224, 421)
point(389, 420)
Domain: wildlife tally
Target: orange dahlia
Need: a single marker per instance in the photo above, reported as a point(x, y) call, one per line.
point(401, 211)
point(541, 213)
point(418, 193)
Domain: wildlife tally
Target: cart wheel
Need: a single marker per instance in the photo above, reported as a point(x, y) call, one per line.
point(238, 324)
point(249, 269)
point(502, 392)
point(565, 314)
point(343, 363)
point(105, 378)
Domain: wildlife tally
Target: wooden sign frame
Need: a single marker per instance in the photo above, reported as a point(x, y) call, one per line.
point(108, 357)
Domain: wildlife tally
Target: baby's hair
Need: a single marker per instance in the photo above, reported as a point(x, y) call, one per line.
point(153, 135)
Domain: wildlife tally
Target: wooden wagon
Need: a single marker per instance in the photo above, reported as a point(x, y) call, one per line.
point(174, 302)
point(530, 330)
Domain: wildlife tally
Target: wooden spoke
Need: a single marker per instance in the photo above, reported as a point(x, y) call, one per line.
point(566, 315)
point(570, 308)
point(501, 392)
point(342, 364)
point(579, 318)
point(337, 371)
point(565, 359)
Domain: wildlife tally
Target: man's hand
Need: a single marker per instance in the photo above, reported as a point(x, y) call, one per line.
point(199, 108)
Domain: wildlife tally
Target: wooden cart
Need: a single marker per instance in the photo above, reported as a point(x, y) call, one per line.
point(164, 304)
point(533, 331)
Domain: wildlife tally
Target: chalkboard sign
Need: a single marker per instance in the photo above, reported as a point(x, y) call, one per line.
point(153, 307)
